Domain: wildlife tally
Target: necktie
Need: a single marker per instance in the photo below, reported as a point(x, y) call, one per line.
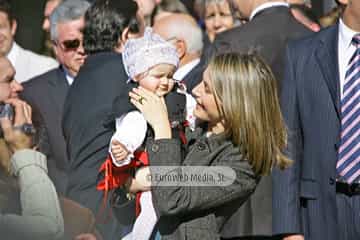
point(348, 165)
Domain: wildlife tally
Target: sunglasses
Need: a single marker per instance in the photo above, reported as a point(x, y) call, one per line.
point(70, 45)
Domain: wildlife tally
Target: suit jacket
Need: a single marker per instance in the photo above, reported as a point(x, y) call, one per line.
point(88, 124)
point(198, 212)
point(267, 33)
point(304, 195)
point(46, 93)
point(28, 64)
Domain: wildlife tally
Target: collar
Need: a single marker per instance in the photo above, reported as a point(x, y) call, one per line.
point(182, 71)
point(265, 6)
point(346, 34)
point(69, 78)
point(13, 53)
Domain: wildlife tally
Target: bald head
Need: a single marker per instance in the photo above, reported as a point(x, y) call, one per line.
point(181, 27)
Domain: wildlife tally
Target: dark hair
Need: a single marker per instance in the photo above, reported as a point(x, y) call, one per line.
point(306, 11)
point(173, 6)
point(40, 138)
point(105, 21)
point(5, 6)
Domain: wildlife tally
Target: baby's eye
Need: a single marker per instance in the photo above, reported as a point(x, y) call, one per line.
point(157, 76)
point(211, 15)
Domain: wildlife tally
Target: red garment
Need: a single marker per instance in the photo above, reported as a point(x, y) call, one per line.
point(117, 176)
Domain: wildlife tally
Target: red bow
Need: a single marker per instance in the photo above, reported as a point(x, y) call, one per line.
point(117, 176)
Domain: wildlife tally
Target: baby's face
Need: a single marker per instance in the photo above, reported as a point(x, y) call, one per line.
point(158, 79)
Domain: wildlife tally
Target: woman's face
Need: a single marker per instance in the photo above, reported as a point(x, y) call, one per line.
point(218, 18)
point(158, 79)
point(206, 107)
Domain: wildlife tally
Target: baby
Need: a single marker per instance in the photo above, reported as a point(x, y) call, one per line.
point(150, 61)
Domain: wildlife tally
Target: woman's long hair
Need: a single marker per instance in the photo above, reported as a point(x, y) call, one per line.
point(246, 93)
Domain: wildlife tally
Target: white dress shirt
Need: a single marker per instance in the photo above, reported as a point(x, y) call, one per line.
point(346, 50)
point(265, 6)
point(182, 71)
point(69, 78)
point(14, 51)
point(28, 64)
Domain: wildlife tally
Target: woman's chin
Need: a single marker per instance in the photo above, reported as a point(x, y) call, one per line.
point(199, 114)
point(161, 93)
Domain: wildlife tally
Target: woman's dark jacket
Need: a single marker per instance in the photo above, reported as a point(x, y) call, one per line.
point(196, 212)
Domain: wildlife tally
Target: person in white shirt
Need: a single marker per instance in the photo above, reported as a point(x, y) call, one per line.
point(24, 213)
point(26, 63)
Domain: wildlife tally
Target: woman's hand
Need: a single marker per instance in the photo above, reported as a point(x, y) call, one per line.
point(13, 136)
point(141, 182)
point(154, 110)
point(85, 236)
point(294, 237)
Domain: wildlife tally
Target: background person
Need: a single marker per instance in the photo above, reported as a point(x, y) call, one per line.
point(218, 17)
point(26, 63)
point(48, 91)
point(319, 196)
point(29, 203)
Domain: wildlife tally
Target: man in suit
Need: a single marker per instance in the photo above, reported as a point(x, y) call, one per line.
point(47, 92)
point(88, 123)
point(270, 26)
point(319, 196)
point(183, 31)
point(26, 63)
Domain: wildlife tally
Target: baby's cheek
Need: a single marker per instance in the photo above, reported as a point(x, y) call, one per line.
point(151, 87)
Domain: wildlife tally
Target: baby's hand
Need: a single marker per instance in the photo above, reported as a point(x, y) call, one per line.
point(119, 151)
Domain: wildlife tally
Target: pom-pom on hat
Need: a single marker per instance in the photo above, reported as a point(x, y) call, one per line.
point(141, 54)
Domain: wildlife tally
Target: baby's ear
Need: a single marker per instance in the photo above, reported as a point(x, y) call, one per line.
point(140, 76)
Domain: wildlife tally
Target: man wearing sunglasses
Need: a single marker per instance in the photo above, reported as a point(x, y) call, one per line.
point(47, 92)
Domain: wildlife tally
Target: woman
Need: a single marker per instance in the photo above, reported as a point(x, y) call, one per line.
point(29, 203)
point(237, 100)
point(218, 17)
